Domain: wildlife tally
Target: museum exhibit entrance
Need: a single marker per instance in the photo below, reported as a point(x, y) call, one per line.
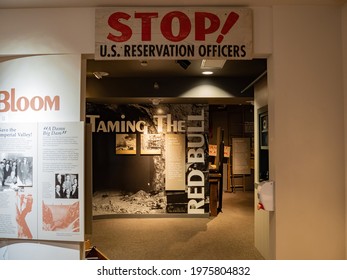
point(165, 121)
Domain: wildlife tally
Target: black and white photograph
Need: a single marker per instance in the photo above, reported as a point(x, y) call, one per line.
point(16, 171)
point(66, 186)
point(151, 144)
point(125, 144)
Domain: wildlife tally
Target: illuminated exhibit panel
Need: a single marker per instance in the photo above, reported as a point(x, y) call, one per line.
point(149, 163)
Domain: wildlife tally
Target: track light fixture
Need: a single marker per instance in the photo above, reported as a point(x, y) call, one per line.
point(99, 75)
point(183, 63)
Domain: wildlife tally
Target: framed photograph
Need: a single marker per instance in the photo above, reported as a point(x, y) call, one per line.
point(227, 151)
point(264, 125)
point(66, 186)
point(126, 144)
point(212, 150)
point(151, 144)
point(264, 122)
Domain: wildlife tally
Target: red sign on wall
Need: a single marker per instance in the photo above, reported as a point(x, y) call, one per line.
point(172, 33)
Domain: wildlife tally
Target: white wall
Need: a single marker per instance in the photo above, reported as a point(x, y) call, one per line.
point(261, 218)
point(46, 31)
point(344, 48)
point(307, 133)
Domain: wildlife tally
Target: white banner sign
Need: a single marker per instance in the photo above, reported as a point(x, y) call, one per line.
point(173, 33)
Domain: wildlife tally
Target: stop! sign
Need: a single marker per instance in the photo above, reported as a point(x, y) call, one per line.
point(163, 32)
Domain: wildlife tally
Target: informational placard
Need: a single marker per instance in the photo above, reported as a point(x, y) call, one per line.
point(60, 181)
point(241, 156)
point(173, 33)
point(41, 193)
point(175, 162)
point(18, 181)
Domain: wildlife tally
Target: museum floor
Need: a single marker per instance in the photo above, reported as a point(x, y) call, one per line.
point(230, 235)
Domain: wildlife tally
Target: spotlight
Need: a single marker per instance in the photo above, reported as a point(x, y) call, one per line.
point(183, 63)
point(99, 75)
point(155, 101)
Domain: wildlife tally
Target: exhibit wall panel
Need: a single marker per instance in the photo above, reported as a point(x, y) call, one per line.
point(37, 89)
point(307, 139)
point(166, 146)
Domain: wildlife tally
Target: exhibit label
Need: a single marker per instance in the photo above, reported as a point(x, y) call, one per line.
point(10, 102)
point(173, 33)
point(164, 124)
point(41, 186)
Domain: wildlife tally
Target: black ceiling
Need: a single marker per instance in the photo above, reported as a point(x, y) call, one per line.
point(170, 68)
point(129, 81)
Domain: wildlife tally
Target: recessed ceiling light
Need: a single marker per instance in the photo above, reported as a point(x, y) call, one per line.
point(207, 73)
